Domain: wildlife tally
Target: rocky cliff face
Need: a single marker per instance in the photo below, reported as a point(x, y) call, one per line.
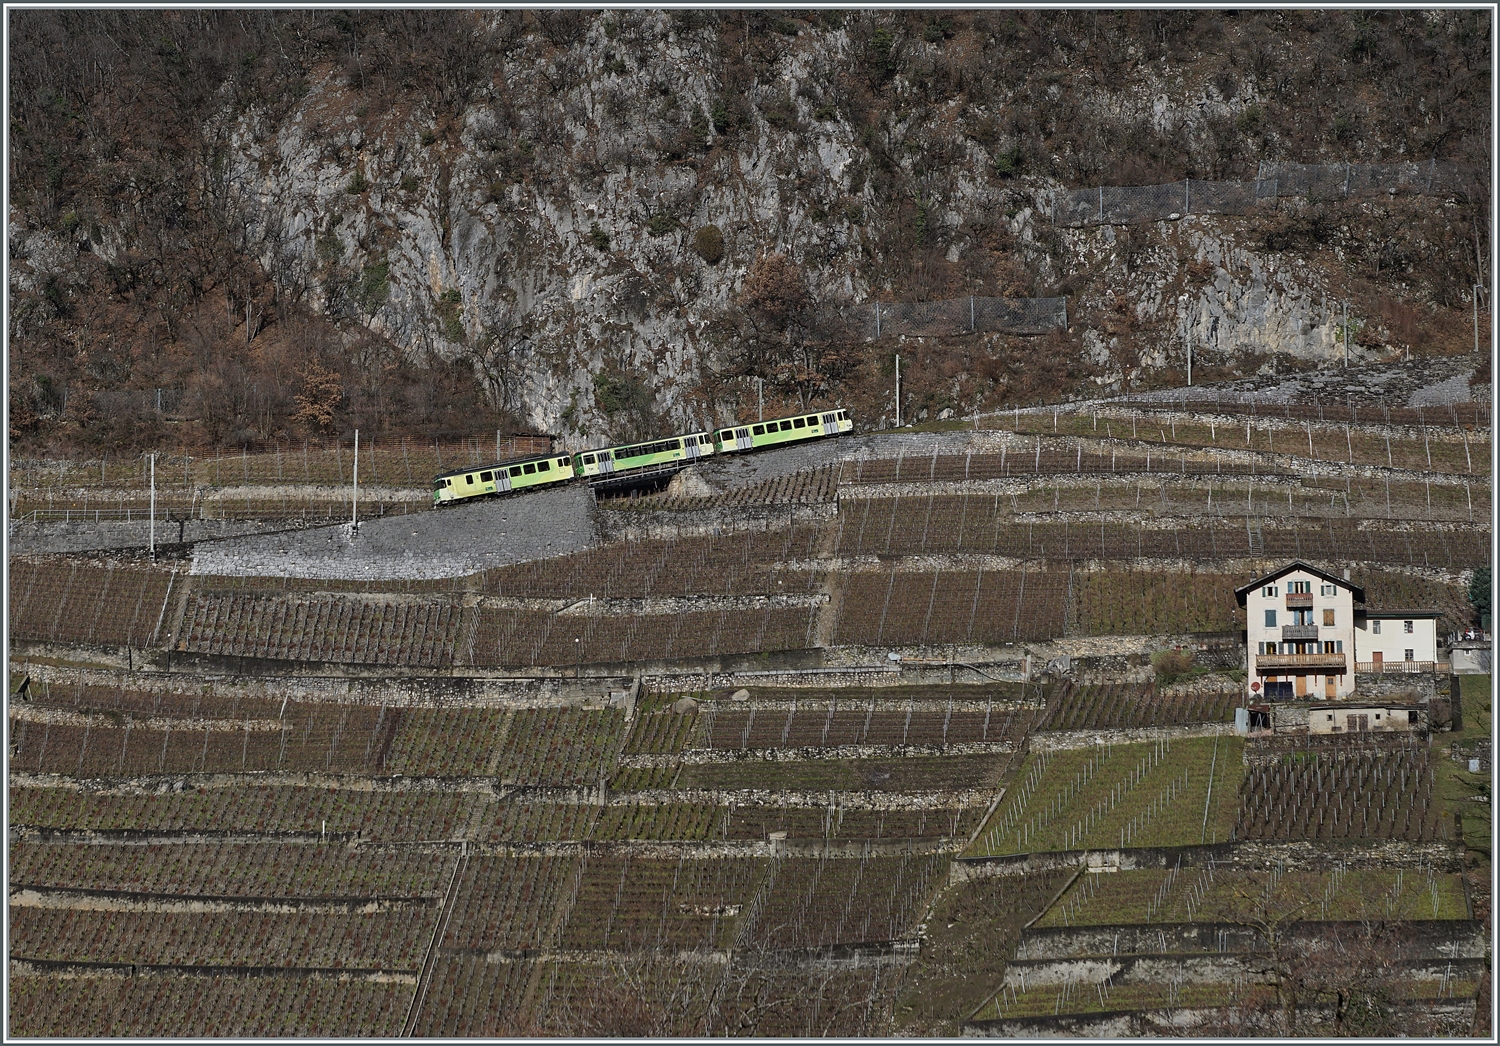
point(572, 203)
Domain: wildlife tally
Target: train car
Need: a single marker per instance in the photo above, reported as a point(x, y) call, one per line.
point(605, 461)
point(528, 474)
point(780, 431)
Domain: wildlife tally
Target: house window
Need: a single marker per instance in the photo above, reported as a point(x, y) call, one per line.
point(1328, 647)
point(1270, 619)
point(1338, 646)
point(1411, 655)
point(1328, 616)
point(1329, 590)
point(1269, 590)
point(1300, 588)
point(1330, 717)
point(1375, 625)
point(1406, 626)
point(1377, 717)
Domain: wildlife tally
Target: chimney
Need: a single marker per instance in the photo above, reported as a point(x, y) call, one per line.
point(1346, 573)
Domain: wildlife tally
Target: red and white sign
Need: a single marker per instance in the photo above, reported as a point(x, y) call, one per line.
point(1255, 687)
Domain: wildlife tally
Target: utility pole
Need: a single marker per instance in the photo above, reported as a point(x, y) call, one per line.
point(898, 390)
point(1187, 341)
point(1477, 289)
point(354, 519)
point(760, 399)
point(153, 508)
point(1346, 333)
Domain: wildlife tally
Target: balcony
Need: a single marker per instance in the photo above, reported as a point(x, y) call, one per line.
point(1299, 600)
point(1293, 663)
point(1403, 667)
point(1298, 633)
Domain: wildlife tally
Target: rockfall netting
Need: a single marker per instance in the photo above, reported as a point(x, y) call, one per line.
point(950, 317)
point(1124, 205)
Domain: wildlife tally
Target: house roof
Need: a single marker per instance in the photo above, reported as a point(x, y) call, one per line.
point(1383, 612)
point(1296, 564)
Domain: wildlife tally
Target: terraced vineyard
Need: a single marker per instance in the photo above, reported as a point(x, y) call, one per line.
point(1168, 793)
point(741, 767)
point(1343, 791)
point(1125, 705)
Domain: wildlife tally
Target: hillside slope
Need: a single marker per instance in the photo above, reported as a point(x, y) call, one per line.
point(603, 223)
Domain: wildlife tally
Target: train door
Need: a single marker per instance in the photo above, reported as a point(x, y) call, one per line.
point(742, 440)
point(606, 462)
point(830, 424)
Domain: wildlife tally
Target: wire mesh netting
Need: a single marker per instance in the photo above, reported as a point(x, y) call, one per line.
point(1121, 205)
point(950, 316)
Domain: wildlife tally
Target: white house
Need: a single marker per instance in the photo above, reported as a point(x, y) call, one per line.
point(1300, 633)
point(1396, 640)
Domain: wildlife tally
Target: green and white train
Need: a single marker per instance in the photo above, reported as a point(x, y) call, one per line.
point(635, 459)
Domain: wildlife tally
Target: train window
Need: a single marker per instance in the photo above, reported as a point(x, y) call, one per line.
point(485, 477)
point(588, 459)
point(705, 439)
point(799, 423)
point(515, 470)
point(530, 470)
point(786, 426)
point(760, 430)
point(469, 479)
point(544, 466)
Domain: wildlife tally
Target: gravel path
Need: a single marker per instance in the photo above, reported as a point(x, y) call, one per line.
point(450, 542)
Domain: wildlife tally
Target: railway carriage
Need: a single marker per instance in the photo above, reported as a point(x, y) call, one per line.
point(606, 461)
point(780, 431)
point(634, 459)
point(529, 474)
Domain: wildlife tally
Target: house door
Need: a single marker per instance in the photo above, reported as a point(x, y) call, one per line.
point(1330, 688)
point(1359, 724)
point(1377, 657)
point(1301, 686)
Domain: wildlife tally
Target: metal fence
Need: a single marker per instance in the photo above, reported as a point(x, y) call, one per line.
point(950, 317)
point(1123, 205)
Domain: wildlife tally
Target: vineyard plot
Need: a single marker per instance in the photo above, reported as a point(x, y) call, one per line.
point(817, 903)
point(561, 747)
point(625, 903)
point(228, 870)
point(341, 630)
point(654, 998)
point(955, 773)
point(734, 728)
point(442, 742)
point(389, 940)
point(508, 903)
point(472, 997)
point(945, 607)
point(1145, 602)
point(1130, 705)
point(1176, 793)
point(260, 1007)
point(63, 601)
point(1343, 791)
point(245, 810)
point(1211, 894)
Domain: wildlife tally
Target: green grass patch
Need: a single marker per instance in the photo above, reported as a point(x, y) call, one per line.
point(1198, 895)
point(1466, 796)
point(1136, 795)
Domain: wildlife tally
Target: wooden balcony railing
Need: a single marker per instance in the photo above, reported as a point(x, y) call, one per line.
point(1402, 667)
point(1299, 600)
point(1278, 663)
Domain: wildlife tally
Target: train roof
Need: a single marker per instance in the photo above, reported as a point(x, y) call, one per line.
point(784, 417)
point(499, 465)
point(645, 442)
